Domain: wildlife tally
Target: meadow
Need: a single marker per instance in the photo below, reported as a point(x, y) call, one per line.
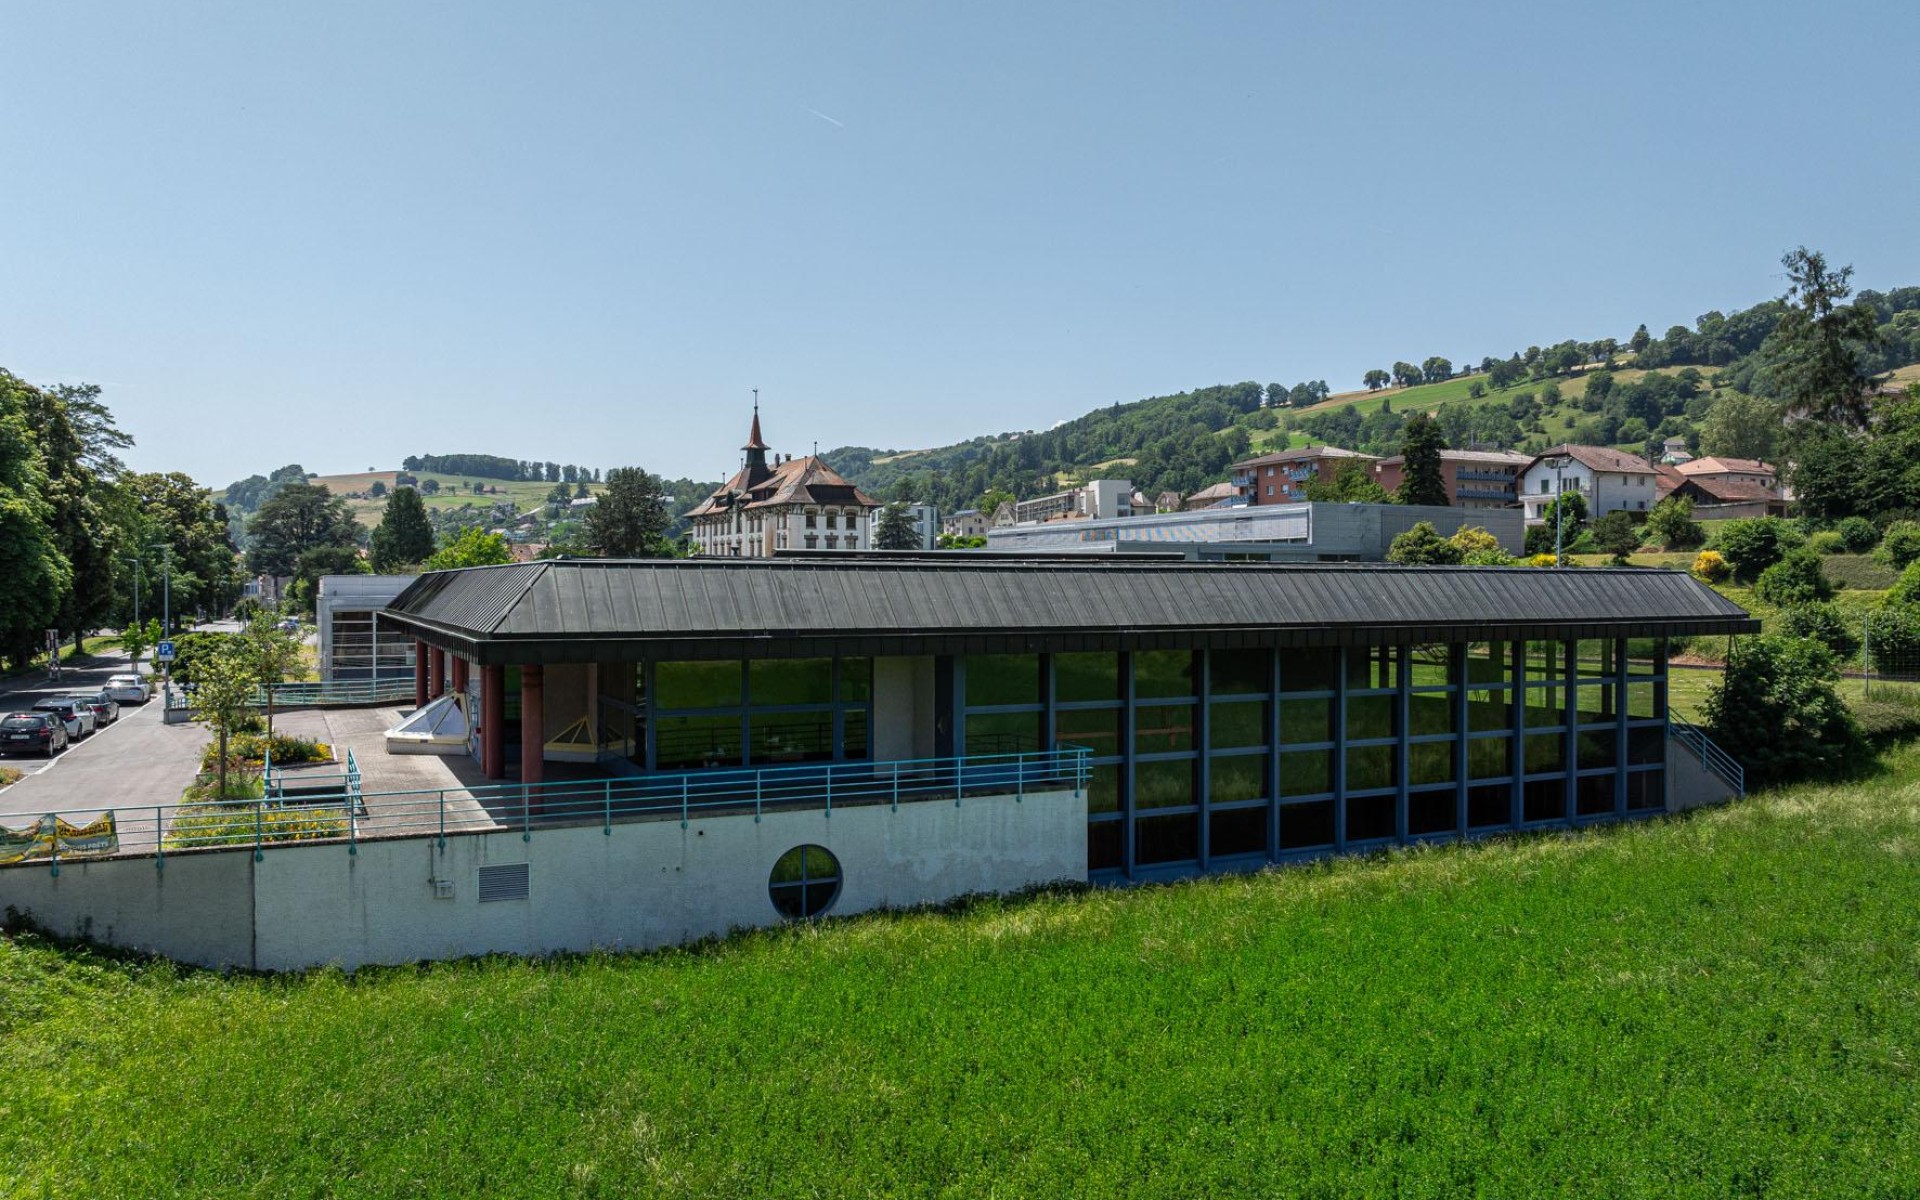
point(1723, 1003)
point(455, 491)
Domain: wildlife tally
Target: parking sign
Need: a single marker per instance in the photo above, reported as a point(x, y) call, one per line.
point(163, 652)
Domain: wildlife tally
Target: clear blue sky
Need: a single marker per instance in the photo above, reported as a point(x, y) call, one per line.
point(340, 233)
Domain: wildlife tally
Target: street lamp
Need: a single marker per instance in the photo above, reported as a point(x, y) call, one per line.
point(135, 560)
point(166, 585)
point(1559, 463)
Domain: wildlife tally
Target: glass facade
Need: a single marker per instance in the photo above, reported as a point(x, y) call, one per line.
point(759, 713)
point(1208, 759)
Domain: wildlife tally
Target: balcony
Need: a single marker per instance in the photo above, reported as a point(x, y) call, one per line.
point(1506, 477)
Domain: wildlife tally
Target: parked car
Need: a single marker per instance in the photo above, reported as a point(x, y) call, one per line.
point(128, 689)
point(77, 717)
point(33, 733)
point(290, 625)
point(105, 711)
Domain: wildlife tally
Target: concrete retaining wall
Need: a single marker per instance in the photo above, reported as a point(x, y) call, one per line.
point(647, 884)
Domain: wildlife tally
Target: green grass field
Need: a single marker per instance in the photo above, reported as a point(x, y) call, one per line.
point(1726, 1004)
point(454, 492)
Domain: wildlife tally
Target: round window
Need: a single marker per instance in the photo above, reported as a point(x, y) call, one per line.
point(805, 881)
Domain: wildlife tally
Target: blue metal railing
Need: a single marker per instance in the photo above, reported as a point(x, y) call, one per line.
point(344, 693)
point(349, 813)
point(1718, 762)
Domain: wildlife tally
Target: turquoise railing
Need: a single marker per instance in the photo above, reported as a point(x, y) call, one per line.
point(350, 813)
point(1718, 763)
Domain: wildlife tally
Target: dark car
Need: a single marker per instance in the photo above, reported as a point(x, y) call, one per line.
point(77, 717)
point(32, 733)
point(106, 710)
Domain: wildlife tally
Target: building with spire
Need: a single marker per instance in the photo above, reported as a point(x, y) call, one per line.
point(776, 503)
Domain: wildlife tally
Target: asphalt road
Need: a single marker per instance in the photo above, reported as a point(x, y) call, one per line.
point(136, 761)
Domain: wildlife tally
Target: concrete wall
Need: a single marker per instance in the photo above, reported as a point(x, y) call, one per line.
point(903, 708)
point(647, 884)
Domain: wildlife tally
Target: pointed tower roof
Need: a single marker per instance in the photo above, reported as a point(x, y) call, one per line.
point(754, 441)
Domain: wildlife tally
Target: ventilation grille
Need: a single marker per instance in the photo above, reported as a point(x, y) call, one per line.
point(508, 881)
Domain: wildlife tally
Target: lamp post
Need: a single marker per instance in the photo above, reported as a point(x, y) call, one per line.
point(166, 586)
point(1559, 464)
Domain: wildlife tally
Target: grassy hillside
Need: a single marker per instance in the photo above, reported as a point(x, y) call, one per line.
point(1723, 1004)
point(455, 490)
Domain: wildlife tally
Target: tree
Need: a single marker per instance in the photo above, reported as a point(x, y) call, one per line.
point(1615, 534)
point(271, 654)
point(1752, 544)
point(1436, 370)
point(1405, 374)
point(136, 639)
point(630, 520)
point(1824, 623)
point(1796, 579)
point(1818, 368)
point(1740, 426)
point(991, 500)
point(223, 689)
point(1564, 516)
point(1421, 478)
point(1422, 545)
point(300, 517)
point(474, 547)
point(1776, 710)
point(378, 489)
point(1671, 523)
point(1377, 379)
point(85, 515)
point(1352, 483)
point(429, 487)
point(896, 531)
point(404, 536)
point(34, 574)
point(1640, 340)
point(1858, 535)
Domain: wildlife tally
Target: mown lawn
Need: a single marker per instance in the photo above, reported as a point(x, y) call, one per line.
point(1726, 1004)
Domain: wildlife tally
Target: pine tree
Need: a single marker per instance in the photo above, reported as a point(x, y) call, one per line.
point(896, 531)
point(404, 537)
point(1421, 481)
point(630, 517)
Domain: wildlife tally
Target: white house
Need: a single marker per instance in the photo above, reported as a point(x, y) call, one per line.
point(1608, 480)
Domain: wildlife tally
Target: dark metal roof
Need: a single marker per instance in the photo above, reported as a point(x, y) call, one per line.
point(578, 610)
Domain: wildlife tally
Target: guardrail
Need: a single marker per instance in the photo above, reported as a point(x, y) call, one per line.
point(1721, 765)
point(350, 814)
point(329, 693)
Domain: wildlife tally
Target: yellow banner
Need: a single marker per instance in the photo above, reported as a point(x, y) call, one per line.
point(43, 837)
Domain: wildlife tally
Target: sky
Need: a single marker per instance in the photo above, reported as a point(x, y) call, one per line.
point(338, 234)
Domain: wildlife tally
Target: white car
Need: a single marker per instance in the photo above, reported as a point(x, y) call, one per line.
point(128, 689)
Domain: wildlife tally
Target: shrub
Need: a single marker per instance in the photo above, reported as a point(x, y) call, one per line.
point(1542, 560)
point(1858, 535)
point(1423, 546)
point(246, 750)
point(1900, 546)
point(1474, 539)
point(1825, 624)
point(191, 651)
point(1795, 579)
point(1893, 642)
point(1776, 711)
point(217, 824)
point(1709, 567)
point(1671, 523)
point(1752, 544)
point(1827, 541)
point(1616, 534)
point(1905, 592)
point(1495, 557)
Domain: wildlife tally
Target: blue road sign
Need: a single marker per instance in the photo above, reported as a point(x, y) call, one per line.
point(163, 652)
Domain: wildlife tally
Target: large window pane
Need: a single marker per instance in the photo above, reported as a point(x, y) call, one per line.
point(1596, 658)
point(1086, 677)
point(1545, 661)
point(1598, 749)
point(1238, 672)
point(1646, 656)
point(1163, 674)
point(772, 682)
point(1306, 772)
point(1373, 667)
point(1306, 826)
point(697, 684)
point(1545, 706)
point(1432, 812)
point(1490, 662)
point(855, 736)
point(1648, 745)
point(1430, 664)
point(1163, 728)
point(1490, 806)
point(1002, 679)
point(1429, 713)
point(1163, 784)
point(1308, 670)
point(1489, 758)
point(1106, 845)
point(1646, 700)
point(1236, 724)
point(1646, 790)
point(1371, 767)
point(683, 742)
point(1489, 709)
point(1595, 700)
point(1241, 777)
point(1430, 762)
point(1545, 800)
point(1546, 752)
point(1372, 717)
point(1098, 729)
point(791, 737)
point(1103, 788)
point(1306, 721)
point(1237, 831)
point(1593, 794)
point(856, 680)
point(1371, 817)
point(1002, 733)
point(1166, 839)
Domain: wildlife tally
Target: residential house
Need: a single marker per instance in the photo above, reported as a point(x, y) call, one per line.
point(968, 522)
point(1282, 477)
point(790, 503)
point(1215, 496)
point(1722, 487)
point(1473, 478)
point(1609, 480)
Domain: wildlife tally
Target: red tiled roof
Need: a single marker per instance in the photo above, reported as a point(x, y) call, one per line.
point(1714, 465)
point(1600, 458)
point(797, 481)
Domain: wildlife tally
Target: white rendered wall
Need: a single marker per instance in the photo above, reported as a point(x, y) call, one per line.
point(647, 884)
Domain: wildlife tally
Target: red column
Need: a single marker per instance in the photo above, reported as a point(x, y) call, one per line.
point(436, 672)
point(459, 675)
point(533, 735)
point(419, 673)
point(493, 721)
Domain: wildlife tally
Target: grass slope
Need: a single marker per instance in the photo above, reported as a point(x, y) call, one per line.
point(454, 491)
point(1726, 1004)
